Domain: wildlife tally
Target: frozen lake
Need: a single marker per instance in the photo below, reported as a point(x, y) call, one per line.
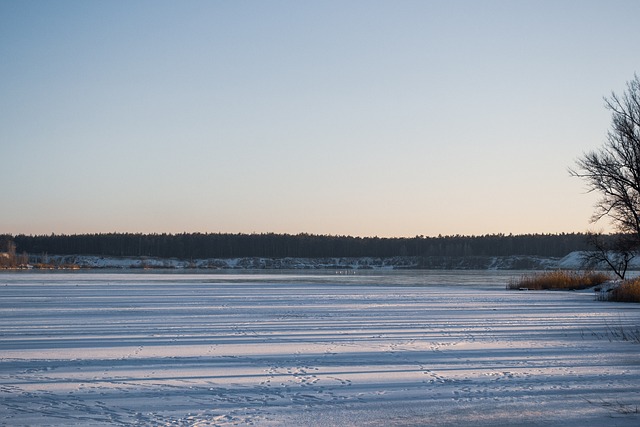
point(418, 348)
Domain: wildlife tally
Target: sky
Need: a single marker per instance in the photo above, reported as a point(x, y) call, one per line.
point(364, 118)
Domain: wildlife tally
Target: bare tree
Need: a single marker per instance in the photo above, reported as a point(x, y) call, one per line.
point(614, 251)
point(614, 172)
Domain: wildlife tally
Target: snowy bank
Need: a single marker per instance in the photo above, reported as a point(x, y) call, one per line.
point(343, 263)
point(573, 261)
point(576, 260)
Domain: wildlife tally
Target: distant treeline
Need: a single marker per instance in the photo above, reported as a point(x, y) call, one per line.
point(221, 245)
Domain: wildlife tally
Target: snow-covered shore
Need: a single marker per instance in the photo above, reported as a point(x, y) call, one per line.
point(572, 261)
point(311, 350)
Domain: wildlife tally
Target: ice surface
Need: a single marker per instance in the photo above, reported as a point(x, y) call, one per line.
point(409, 348)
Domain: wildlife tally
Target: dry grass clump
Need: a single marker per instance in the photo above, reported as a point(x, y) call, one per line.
point(561, 279)
point(628, 291)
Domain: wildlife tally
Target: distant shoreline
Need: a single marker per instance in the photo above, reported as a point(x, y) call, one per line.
point(512, 262)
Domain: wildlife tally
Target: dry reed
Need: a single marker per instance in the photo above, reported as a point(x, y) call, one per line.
point(628, 291)
point(560, 279)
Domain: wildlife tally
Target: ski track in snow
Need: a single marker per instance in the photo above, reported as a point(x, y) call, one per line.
point(215, 350)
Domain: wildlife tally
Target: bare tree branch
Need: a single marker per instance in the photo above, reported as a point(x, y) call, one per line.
point(614, 172)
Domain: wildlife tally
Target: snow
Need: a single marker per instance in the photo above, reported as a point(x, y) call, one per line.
point(575, 261)
point(572, 261)
point(92, 261)
point(290, 263)
point(374, 348)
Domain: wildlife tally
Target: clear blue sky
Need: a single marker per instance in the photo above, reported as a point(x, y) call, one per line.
point(388, 118)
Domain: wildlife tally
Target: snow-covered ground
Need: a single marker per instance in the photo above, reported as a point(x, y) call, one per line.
point(252, 263)
point(367, 349)
point(572, 261)
point(517, 262)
